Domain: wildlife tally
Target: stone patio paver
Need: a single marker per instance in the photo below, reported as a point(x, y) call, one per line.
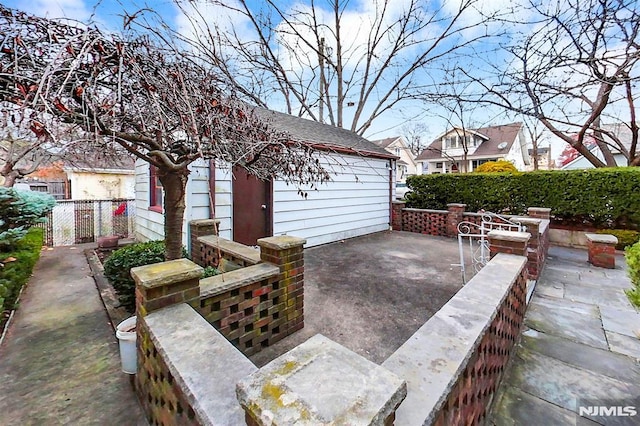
point(579, 344)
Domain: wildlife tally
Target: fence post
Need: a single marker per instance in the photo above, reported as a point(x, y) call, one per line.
point(200, 228)
point(396, 215)
point(539, 212)
point(508, 242)
point(454, 217)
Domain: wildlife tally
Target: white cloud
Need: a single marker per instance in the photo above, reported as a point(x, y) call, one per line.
point(70, 9)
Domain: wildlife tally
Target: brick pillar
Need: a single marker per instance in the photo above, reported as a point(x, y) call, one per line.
point(199, 228)
point(157, 286)
point(602, 250)
point(508, 242)
point(165, 284)
point(536, 246)
point(287, 253)
point(539, 212)
point(455, 216)
point(396, 215)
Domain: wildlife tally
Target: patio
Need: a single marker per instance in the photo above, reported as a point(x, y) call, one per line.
point(371, 293)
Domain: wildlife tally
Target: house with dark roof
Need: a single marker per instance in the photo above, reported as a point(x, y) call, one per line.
point(406, 164)
point(463, 150)
point(355, 202)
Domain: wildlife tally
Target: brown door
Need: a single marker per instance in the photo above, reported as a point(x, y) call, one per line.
point(251, 207)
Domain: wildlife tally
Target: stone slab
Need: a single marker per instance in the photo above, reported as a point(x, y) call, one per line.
point(204, 364)
point(563, 384)
point(561, 317)
point(601, 296)
point(515, 408)
point(246, 253)
point(547, 288)
point(319, 383)
point(235, 279)
point(625, 345)
point(602, 238)
point(163, 273)
point(621, 321)
point(582, 356)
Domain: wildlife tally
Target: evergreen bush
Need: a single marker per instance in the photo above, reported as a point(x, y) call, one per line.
point(604, 198)
point(625, 237)
point(632, 255)
point(19, 211)
point(118, 266)
point(15, 274)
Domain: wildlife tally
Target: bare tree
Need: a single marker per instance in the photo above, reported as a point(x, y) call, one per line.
point(322, 60)
point(157, 105)
point(413, 132)
point(576, 68)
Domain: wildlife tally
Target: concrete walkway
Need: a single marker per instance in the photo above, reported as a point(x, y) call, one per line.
point(59, 363)
point(580, 346)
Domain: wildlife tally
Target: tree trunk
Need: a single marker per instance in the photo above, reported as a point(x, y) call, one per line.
point(9, 175)
point(174, 183)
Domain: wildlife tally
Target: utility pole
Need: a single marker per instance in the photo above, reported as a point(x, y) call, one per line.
point(322, 82)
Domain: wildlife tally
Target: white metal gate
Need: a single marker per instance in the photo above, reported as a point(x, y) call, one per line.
point(472, 239)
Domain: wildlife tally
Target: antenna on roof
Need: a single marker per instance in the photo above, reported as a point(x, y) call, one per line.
point(502, 145)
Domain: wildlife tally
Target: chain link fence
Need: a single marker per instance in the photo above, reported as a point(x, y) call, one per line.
point(83, 221)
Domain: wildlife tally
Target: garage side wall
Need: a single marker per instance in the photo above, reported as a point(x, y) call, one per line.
point(356, 202)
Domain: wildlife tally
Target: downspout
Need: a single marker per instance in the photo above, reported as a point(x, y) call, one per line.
point(391, 194)
point(212, 189)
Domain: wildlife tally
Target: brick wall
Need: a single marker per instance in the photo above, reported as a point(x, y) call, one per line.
point(430, 222)
point(162, 398)
point(250, 312)
point(445, 223)
point(471, 396)
point(454, 363)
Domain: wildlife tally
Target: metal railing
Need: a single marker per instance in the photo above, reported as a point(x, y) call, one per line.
point(474, 236)
point(83, 221)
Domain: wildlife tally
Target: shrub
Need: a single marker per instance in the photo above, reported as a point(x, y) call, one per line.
point(118, 266)
point(625, 237)
point(15, 274)
point(210, 271)
point(604, 198)
point(19, 211)
point(632, 255)
point(496, 167)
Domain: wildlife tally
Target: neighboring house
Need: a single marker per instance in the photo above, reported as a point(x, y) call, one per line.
point(572, 160)
point(355, 202)
point(446, 153)
point(544, 159)
point(406, 165)
point(79, 179)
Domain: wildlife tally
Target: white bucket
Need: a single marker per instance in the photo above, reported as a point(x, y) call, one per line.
point(126, 334)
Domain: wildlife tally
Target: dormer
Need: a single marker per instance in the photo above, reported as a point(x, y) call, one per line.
point(456, 139)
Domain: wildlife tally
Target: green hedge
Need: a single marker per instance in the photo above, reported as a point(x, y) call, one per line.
point(608, 198)
point(15, 274)
point(632, 255)
point(117, 268)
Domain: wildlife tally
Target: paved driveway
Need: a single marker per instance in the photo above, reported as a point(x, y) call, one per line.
point(372, 293)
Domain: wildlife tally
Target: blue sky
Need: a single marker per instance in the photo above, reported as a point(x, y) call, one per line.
point(108, 15)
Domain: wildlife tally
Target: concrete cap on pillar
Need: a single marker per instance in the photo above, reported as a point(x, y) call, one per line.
point(321, 382)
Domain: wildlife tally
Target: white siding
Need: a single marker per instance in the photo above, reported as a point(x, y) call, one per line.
point(224, 211)
point(355, 202)
point(150, 224)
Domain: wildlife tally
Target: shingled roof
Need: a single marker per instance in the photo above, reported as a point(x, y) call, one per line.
point(321, 136)
point(495, 134)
